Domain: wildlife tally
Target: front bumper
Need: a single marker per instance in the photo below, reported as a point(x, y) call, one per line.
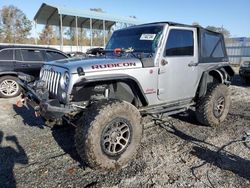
point(50, 109)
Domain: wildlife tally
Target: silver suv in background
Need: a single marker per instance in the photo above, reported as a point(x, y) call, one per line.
point(150, 69)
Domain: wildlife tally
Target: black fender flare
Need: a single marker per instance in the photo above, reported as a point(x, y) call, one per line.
point(132, 82)
point(223, 74)
point(8, 73)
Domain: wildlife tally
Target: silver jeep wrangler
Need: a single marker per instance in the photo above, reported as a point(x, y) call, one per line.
point(150, 69)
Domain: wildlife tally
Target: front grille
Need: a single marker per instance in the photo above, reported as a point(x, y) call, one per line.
point(52, 80)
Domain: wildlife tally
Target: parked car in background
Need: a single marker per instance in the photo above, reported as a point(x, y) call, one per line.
point(95, 51)
point(245, 71)
point(26, 59)
point(76, 54)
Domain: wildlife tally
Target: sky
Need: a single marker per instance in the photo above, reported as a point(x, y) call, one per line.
point(233, 15)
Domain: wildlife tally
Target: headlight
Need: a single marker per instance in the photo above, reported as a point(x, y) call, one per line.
point(65, 80)
point(245, 64)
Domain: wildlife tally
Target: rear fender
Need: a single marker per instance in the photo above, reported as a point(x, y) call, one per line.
point(220, 75)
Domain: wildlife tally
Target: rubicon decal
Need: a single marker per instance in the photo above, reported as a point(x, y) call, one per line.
point(114, 65)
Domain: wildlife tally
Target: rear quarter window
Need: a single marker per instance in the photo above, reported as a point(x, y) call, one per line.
point(212, 46)
point(53, 55)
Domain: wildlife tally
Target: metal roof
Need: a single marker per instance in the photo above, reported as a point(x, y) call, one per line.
point(50, 14)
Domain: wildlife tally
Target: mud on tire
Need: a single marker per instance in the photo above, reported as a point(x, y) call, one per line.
point(213, 108)
point(109, 134)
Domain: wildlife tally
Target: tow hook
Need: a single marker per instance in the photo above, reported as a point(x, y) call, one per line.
point(37, 111)
point(20, 103)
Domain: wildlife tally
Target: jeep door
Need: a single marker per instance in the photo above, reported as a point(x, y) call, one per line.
point(178, 72)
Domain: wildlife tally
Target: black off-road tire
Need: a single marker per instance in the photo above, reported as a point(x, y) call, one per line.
point(4, 80)
point(88, 135)
point(205, 108)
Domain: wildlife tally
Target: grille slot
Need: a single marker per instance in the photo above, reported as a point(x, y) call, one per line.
point(52, 79)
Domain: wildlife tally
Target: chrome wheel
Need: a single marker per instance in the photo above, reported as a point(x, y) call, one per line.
point(116, 137)
point(9, 87)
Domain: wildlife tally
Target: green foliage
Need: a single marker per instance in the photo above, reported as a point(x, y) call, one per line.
point(15, 27)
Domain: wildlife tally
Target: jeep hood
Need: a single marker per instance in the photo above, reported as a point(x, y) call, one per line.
point(97, 64)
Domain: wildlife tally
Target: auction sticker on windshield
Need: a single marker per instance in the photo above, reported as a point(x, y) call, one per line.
point(147, 36)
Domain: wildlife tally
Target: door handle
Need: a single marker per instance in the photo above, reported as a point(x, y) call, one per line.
point(192, 64)
point(25, 65)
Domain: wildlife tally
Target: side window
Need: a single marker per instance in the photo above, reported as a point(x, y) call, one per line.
point(32, 55)
point(180, 43)
point(6, 55)
point(18, 56)
point(212, 46)
point(52, 56)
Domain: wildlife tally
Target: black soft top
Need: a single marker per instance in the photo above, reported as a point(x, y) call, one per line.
point(173, 24)
point(211, 44)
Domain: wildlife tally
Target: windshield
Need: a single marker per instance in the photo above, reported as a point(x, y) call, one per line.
point(142, 39)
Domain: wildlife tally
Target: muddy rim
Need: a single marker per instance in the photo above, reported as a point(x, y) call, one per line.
point(9, 87)
point(116, 137)
point(219, 106)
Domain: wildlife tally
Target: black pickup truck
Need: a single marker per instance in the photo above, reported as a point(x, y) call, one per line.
point(26, 59)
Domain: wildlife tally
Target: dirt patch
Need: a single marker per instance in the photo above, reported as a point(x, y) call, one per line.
point(178, 152)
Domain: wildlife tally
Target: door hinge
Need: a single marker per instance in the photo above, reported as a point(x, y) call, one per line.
point(162, 70)
point(160, 91)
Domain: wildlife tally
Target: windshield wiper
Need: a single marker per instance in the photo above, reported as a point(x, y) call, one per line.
point(119, 51)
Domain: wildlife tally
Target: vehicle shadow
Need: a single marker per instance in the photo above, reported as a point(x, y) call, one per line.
point(64, 136)
point(223, 160)
point(28, 116)
point(8, 158)
point(188, 117)
point(217, 156)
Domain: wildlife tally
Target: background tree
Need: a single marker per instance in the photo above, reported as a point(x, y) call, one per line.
point(221, 29)
point(15, 27)
point(48, 36)
point(195, 23)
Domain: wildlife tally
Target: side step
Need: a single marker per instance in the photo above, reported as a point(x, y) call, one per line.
point(167, 111)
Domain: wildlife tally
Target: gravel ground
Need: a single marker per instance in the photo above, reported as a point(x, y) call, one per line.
point(175, 153)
